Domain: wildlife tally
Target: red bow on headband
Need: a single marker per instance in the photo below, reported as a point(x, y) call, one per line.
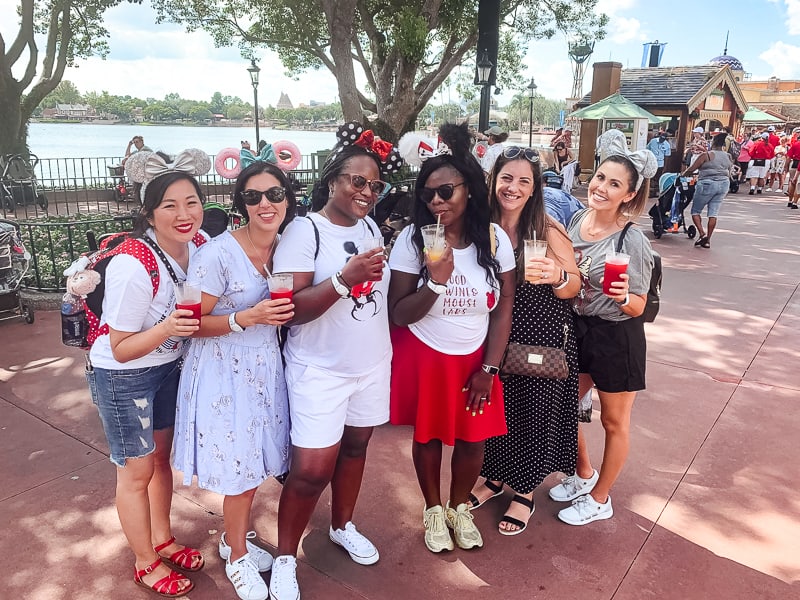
point(380, 147)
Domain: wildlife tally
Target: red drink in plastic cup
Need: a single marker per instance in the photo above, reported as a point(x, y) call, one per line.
point(281, 293)
point(195, 308)
point(616, 265)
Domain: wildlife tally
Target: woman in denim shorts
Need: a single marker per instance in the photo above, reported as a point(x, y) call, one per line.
point(713, 182)
point(134, 365)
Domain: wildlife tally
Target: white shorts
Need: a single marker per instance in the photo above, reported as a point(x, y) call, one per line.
point(757, 172)
point(322, 403)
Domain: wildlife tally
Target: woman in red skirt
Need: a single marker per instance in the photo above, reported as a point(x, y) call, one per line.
point(452, 314)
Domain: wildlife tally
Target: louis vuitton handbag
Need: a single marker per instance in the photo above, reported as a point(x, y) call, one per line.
point(536, 361)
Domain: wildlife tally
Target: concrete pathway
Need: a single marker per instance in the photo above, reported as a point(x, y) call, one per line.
point(706, 507)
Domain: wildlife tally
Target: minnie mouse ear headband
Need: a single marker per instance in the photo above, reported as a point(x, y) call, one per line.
point(143, 167)
point(353, 134)
point(283, 154)
point(613, 142)
point(416, 149)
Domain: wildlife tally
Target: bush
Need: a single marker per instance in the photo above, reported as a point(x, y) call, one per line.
point(56, 241)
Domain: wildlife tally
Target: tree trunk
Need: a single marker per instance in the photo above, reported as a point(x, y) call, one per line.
point(12, 132)
point(340, 23)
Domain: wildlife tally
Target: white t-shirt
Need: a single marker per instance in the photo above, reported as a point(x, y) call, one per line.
point(458, 321)
point(129, 305)
point(488, 160)
point(353, 334)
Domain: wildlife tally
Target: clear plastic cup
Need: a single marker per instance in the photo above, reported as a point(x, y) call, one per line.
point(281, 285)
point(533, 249)
point(616, 265)
point(433, 239)
point(188, 297)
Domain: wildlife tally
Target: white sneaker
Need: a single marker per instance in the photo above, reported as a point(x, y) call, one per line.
point(461, 521)
point(283, 581)
point(259, 556)
point(360, 549)
point(247, 582)
point(437, 536)
point(573, 486)
point(768, 190)
point(585, 510)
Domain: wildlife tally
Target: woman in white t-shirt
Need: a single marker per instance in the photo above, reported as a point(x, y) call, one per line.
point(453, 318)
point(337, 352)
point(134, 366)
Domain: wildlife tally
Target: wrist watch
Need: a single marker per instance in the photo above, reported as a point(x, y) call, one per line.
point(233, 324)
point(490, 369)
point(436, 288)
point(627, 300)
point(340, 287)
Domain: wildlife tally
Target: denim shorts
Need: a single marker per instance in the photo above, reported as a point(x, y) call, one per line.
point(711, 193)
point(132, 404)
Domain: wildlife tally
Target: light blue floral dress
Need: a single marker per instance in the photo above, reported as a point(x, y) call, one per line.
point(232, 419)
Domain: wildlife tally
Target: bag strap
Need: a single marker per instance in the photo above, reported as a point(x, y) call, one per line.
point(622, 235)
point(316, 234)
point(492, 239)
point(566, 337)
point(155, 247)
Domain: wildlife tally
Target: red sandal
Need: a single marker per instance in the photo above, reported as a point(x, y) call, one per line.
point(182, 559)
point(168, 586)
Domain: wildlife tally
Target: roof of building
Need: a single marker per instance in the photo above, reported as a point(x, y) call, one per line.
point(673, 86)
point(284, 101)
point(726, 59)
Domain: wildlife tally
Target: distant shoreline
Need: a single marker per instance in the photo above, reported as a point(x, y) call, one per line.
point(265, 124)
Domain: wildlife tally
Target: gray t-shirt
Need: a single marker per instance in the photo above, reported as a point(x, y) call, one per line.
point(591, 258)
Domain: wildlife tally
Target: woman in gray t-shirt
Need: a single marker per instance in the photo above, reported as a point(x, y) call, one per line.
point(611, 341)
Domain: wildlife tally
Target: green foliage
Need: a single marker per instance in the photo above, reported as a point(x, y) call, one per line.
point(55, 242)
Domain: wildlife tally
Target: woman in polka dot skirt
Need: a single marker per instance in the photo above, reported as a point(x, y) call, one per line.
point(541, 414)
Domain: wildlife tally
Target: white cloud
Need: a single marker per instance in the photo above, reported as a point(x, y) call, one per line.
point(792, 16)
point(784, 60)
point(623, 30)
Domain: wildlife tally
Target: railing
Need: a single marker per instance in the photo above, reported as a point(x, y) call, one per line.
point(69, 186)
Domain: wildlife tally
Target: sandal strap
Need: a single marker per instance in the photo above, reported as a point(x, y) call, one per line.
point(160, 547)
point(148, 569)
point(512, 521)
point(185, 558)
point(524, 501)
point(497, 489)
point(169, 585)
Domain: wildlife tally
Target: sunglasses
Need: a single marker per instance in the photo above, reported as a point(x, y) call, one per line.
point(275, 195)
point(514, 151)
point(444, 191)
point(376, 186)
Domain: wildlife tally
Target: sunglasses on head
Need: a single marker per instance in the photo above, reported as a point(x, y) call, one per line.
point(528, 153)
point(444, 191)
point(376, 186)
point(275, 195)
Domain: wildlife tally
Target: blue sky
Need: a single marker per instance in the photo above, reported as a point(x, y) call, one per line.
point(151, 60)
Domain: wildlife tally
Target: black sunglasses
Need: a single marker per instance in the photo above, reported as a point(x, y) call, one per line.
point(514, 151)
point(376, 186)
point(276, 195)
point(444, 191)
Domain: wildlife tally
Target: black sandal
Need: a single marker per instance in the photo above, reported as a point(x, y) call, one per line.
point(701, 241)
point(706, 243)
point(496, 491)
point(516, 522)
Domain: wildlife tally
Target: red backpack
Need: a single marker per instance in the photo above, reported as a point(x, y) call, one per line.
point(98, 261)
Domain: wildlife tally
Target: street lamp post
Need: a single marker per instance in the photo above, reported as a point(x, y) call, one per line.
point(532, 93)
point(484, 67)
point(254, 71)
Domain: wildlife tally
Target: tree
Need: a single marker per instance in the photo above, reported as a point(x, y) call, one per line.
point(72, 29)
point(403, 48)
point(65, 93)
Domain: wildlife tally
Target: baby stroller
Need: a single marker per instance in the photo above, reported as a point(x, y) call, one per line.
point(18, 185)
point(14, 263)
point(675, 194)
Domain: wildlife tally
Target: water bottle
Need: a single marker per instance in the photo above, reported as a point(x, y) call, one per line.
point(74, 325)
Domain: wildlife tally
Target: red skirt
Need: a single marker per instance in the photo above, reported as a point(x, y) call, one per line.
point(426, 393)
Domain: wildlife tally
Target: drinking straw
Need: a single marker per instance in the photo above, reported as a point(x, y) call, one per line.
point(266, 269)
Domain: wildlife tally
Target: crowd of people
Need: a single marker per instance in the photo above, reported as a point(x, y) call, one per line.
point(264, 386)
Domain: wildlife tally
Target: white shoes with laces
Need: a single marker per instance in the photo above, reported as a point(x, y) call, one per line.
point(283, 581)
point(437, 535)
point(573, 486)
point(259, 556)
point(360, 549)
point(246, 579)
point(585, 510)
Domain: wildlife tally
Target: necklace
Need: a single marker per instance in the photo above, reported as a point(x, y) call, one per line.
point(258, 254)
point(598, 232)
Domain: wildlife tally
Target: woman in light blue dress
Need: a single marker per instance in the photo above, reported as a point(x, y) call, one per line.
point(232, 423)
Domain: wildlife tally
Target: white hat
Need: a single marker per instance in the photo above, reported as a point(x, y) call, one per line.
point(771, 128)
point(698, 130)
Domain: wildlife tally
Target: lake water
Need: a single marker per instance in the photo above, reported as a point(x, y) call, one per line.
point(82, 140)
